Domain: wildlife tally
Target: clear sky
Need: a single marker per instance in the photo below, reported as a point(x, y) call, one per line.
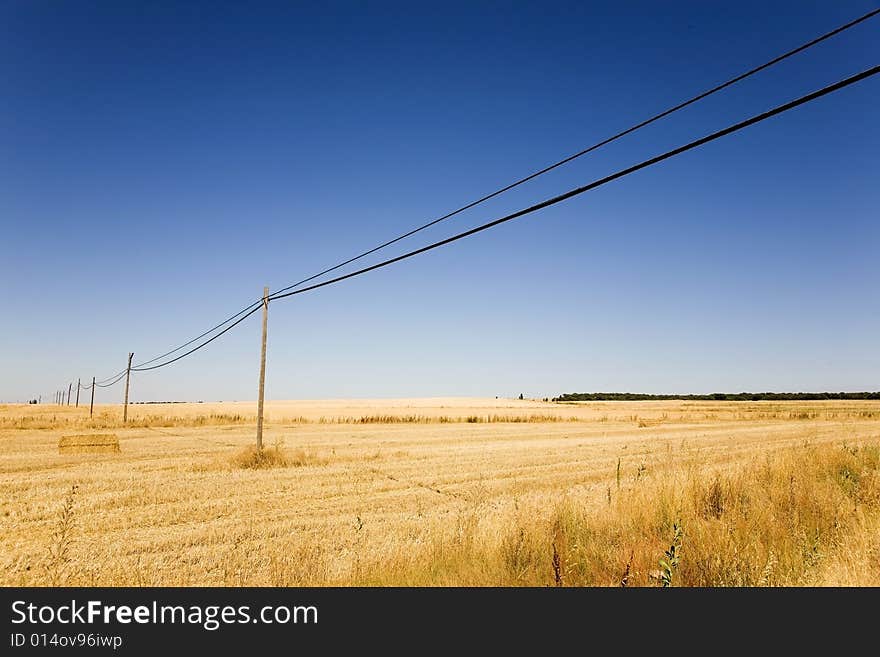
point(160, 162)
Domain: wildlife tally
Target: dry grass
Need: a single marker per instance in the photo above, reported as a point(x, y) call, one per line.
point(439, 419)
point(113, 419)
point(774, 495)
point(59, 553)
point(274, 457)
point(93, 443)
point(805, 516)
point(62, 418)
point(439, 411)
point(258, 459)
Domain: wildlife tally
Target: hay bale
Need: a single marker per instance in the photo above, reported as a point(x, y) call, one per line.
point(96, 443)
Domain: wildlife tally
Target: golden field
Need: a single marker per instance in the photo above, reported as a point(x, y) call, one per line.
point(445, 492)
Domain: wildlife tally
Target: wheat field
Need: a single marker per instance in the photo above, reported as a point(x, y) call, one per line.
point(475, 492)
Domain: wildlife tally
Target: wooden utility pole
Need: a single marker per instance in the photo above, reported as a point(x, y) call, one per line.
point(69, 389)
point(127, 377)
point(262, 371)
point(92, 403)
point(77, 392)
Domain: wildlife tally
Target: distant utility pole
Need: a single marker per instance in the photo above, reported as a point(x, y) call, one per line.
point(92, 403)
point(77, 392)
point(262, 371)
point(69, 389)
point(127, 377)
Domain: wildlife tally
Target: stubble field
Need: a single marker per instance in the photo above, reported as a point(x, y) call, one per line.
point(445, 492)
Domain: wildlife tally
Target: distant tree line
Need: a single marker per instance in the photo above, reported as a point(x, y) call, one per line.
point(716, 396)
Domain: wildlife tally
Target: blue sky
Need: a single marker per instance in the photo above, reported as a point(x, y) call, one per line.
point(161, 162)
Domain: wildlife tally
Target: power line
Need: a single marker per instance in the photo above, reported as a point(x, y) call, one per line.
point(595, 146)
point(547, 203)
point(194, 349)
point(483, 199)
point(112, 376)
point(113, 383)
point(598, 183)
point(140, 366)
point(198, 337)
